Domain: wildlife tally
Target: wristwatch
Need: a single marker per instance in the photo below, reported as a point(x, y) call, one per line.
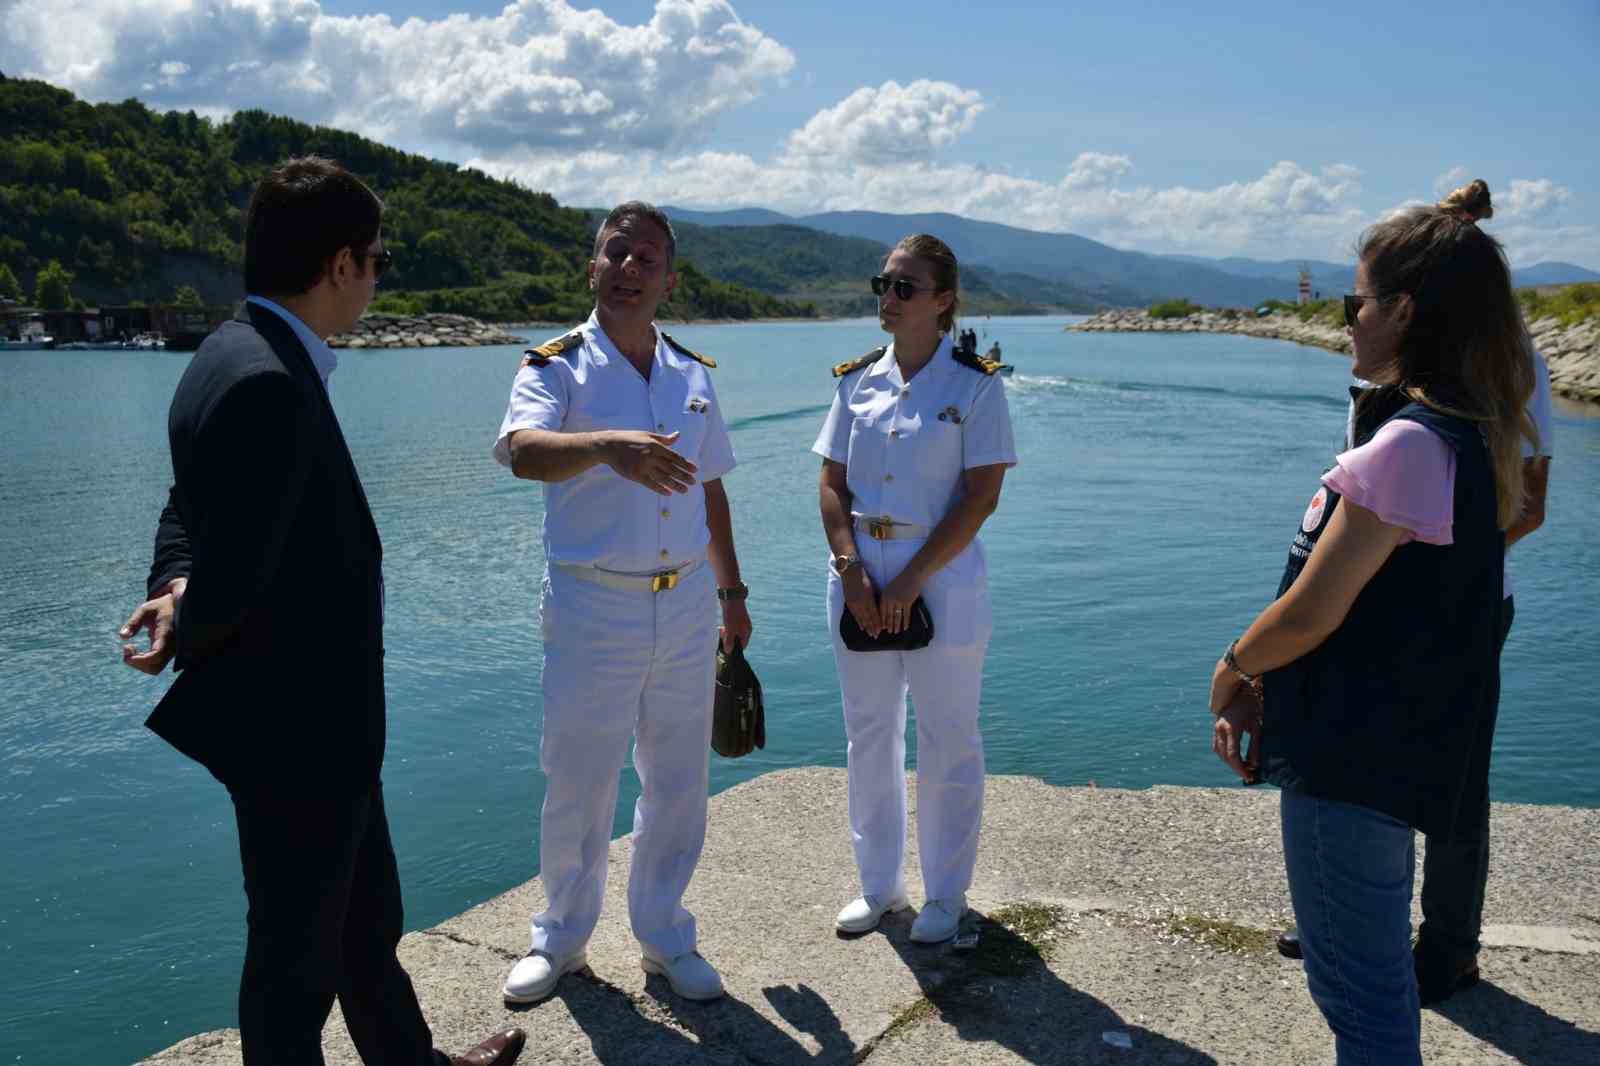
point(737, 592)
point(842, 563)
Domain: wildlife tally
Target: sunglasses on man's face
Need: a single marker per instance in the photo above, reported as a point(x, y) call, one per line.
point(882, 283)
point(381, 261)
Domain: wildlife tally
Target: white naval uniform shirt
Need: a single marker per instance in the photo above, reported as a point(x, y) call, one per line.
point(906, 445)
point(599, 518)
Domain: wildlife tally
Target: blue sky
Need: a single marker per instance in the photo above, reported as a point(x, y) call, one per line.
point(1271, 130)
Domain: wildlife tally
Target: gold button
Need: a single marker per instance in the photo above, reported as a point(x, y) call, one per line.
point(663, 553)
point(661, 425)
point(665, 513)
point(888, 477)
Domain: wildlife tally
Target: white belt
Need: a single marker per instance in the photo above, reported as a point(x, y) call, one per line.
point(886, 528)
point(659, 581)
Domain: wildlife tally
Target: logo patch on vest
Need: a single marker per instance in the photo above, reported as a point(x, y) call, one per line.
point(1314, 509)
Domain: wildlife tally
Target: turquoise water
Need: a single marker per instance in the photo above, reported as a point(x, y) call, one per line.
point(1161, 479)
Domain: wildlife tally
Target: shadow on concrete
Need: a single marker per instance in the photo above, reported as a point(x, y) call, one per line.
point(729, 1024)
point(621, 1032)
point(1003, 993)
point(1526, 1032)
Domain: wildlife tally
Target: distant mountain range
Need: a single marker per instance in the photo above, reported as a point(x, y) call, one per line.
point(1083, 272)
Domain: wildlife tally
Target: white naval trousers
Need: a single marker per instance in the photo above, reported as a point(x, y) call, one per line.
point(945, 680)
point(621, 664)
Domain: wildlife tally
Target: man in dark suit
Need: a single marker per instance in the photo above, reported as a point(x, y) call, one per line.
point(267, 589)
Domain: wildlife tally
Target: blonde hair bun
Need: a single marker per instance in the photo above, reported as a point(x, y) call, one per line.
point(1470, 201)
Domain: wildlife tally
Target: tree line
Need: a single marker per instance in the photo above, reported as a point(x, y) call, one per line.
point(121, 202)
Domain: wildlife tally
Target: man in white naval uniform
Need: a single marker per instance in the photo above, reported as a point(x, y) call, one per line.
point(622, 426)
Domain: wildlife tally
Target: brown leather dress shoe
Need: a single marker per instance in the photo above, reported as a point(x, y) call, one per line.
point(501, 1049)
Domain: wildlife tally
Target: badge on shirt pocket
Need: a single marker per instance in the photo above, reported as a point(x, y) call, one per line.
point(950, 414)
point(697, 405)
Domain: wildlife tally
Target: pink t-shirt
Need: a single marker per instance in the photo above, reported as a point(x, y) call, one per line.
point(1406, 475)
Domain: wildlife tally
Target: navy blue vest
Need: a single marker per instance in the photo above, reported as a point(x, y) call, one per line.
point(1387, 712)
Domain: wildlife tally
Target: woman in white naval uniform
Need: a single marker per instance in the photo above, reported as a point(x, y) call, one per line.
point(914, 451)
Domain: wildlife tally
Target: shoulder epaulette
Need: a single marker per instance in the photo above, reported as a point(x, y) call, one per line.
point(547, 351)
point(703, 360)
point(851, 366)
point(982, 364)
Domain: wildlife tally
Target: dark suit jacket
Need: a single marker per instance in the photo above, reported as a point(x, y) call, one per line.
point(280, 634)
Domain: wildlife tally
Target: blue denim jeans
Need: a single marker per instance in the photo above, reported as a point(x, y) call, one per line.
point(1350, 879)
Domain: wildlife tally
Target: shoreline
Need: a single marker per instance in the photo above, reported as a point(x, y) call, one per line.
point(1571, 352)
point(1122, 919)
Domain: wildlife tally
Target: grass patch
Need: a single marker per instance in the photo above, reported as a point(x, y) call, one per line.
point(1181, 308)
point(1219, 933)
point(1018, 937)
point(1570, 305)
point(919, 1011)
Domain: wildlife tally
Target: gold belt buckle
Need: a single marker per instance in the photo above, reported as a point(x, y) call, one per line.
point(667, 579)
point(880, 528)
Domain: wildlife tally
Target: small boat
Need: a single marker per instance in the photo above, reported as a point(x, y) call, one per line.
point(149, 342)
point(27, 344)
point(91, 346)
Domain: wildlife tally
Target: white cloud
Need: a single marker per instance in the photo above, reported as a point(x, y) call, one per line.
point(889, 124)
point(1524, 220)
point(1288, 206)
point(540, 73)
point(572, 101)
point(1527, 199)
point(1450, 181)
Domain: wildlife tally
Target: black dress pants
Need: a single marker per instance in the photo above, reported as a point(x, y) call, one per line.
point(1455, 872)
point(325, 918)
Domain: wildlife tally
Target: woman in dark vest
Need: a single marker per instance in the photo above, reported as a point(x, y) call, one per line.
point(1367, 685)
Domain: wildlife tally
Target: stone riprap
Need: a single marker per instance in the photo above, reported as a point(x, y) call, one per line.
point(1126, 927)
point(1572, 352)
point(1279, 325)
point(422, 331)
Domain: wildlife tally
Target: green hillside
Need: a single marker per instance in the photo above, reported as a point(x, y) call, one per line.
point(137, 203)
point(831, 271)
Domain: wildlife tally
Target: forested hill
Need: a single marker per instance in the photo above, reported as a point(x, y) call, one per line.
point(136, 203)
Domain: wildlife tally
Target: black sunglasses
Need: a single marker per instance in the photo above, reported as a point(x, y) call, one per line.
point(1352, 306)
point(882, 283)
point(381, 261)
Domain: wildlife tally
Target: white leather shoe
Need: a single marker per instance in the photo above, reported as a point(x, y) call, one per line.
point(865, 913)
point(534, 977)
point(939, 921)
point(689, 975)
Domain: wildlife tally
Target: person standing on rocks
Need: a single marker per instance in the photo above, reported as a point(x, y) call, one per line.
point(914, 452)
point(1455, 872)
point(1370, 684)
point(267, 549)
point(621, 425)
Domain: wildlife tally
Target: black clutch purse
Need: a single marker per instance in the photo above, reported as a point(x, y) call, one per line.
point(918, 632)
point(738, 715)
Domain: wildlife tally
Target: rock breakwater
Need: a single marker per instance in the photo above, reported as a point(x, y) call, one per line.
point(422, 331)
point(1277, 326)
point(1572, 352)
